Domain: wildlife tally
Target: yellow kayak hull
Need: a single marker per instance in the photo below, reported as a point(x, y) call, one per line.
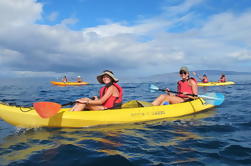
point(215, 83)
point(64, 118)
point(69, 83)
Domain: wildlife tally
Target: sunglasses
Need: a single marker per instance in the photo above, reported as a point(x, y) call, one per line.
point(183, 72)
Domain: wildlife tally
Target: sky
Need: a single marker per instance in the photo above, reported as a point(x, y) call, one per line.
point(133, 38)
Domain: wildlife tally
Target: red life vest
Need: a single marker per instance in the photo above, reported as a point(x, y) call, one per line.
point(112, 100)
point(205, 80)
point(223, 79)
point(183, 86)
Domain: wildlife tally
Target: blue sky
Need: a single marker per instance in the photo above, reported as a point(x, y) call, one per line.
point(130, 37)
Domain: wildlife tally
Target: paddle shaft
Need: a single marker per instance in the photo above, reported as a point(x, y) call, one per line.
point(178, 92)
point(70, 103)
point(73, 102)
point(202, 96)
point(197, 75)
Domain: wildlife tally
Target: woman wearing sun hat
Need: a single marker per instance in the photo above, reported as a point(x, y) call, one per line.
point(110, 95)
point(187, 85)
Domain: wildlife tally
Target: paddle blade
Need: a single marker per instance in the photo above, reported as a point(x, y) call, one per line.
point(152, 91)
point(213, 98)
point(46, 109)
point(153, 88)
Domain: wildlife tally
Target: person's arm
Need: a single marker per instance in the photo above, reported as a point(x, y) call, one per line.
point(194, 86)
point(198, 76)
point(100, 101)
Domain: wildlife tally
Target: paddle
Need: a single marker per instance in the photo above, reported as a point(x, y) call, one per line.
point(197, 75)
point(210, 98)
point(48, 109)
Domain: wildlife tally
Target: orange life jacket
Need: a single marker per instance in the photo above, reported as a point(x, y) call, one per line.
point(112, 100)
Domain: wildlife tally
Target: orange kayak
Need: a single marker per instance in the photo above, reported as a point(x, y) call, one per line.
point(69, 83)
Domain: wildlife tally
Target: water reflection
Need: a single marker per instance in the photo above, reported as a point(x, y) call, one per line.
point(128, 140)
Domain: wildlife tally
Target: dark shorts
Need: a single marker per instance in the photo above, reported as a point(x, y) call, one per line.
point(116, 106)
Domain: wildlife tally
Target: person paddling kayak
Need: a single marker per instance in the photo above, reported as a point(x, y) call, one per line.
point(203, 79)
point(110, 95)
point(222, 78)
point(64, 79)
point(79, 79)
point(187, 85)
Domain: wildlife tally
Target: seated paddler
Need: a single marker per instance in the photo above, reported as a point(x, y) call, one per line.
point(187, 90)
point(110, 95)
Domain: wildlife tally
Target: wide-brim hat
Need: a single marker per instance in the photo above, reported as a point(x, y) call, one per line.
point(109, 73)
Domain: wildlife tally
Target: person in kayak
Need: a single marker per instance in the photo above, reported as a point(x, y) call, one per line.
point(64, 79)
point(223, 78)
point(187, 85)
point(79, 79)
point(203, 79)
point(110, 95)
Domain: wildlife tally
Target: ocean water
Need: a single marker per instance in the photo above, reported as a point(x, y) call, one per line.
point(219, 136)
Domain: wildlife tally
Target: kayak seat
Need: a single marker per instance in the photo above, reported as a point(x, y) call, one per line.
point(136, 104)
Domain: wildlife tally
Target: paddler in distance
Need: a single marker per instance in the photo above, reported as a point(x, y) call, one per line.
point(79, 79)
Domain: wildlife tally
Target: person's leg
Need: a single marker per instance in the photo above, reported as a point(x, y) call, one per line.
point(174, 99)
point(95, 107)
point(78, 107)
point(159, 100)
point(169, 98)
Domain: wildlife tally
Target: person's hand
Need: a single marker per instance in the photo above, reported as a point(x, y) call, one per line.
point(82, 101)
point(167, 90)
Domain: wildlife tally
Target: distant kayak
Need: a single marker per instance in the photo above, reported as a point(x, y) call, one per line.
point(131, 112)
point(69, 83)
point(215, 83)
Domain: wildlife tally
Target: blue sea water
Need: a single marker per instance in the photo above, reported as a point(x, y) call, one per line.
point(219, 136)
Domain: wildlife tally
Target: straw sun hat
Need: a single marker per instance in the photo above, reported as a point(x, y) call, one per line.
point(109, 73)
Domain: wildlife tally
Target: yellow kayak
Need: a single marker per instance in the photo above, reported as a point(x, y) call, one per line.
point(28, 117)
point(215, 83)
point(69, 83)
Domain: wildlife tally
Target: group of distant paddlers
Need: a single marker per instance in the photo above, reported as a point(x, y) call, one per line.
point(64, 79)
point(204, 78)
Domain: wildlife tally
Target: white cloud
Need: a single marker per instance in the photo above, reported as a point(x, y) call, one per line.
point(242, 55)
point(181, 8)
point(145, 46)
point(19, 12)
point(228, 27)
point(53, 16)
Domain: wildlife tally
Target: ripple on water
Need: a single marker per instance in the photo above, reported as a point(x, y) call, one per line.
point(237, 153)
point(65, 155)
